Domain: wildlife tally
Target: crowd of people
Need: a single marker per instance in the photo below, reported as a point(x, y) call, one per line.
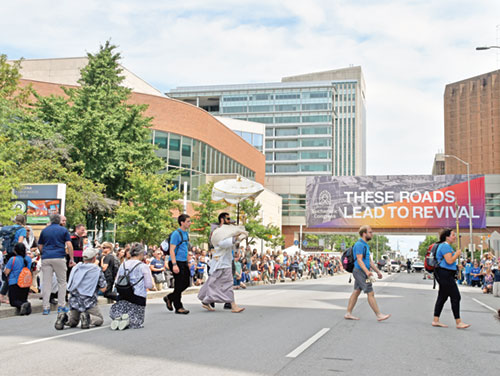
point(71, 273)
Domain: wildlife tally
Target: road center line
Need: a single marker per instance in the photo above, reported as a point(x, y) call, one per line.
point(484, 305)
point(295, 353)
point(63, 335)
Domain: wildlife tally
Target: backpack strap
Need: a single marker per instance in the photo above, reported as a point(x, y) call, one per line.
point(131, 270)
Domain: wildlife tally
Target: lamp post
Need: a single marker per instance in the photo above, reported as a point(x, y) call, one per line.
point(471, 245)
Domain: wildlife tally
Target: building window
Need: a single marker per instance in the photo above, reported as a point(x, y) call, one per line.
point(286, 156)
point(286, 168)
point(287, 144)
point(287, 131)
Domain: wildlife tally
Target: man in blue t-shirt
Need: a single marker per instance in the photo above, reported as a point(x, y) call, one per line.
point(179, 246)
point(53, 241)
point(363, 275)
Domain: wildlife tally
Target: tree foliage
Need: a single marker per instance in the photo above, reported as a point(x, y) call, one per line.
point(108, 135)
point(423, 246)
point(251, 219)
point(206, 213)
point(145, 211)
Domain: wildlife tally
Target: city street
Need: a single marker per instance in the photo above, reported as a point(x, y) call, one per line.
point(287, 329)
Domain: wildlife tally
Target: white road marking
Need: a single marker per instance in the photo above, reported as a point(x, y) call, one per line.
point(63, 335)
point(295, 353)
point(484, 305)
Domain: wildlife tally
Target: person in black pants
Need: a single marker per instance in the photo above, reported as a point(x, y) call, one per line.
point(178, 250)
point(445, 272)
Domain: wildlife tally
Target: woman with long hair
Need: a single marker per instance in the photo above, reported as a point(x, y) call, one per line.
point(444, 273)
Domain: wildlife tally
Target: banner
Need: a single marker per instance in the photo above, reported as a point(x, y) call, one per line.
point(394, 201)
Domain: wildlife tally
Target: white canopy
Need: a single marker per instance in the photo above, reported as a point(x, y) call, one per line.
point(293, 250)
point(236, 190)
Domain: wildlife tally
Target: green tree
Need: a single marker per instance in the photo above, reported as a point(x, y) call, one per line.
point(9, 180)
point(423, 246)
point(107, 134)
point(206, 213)
point(145, 212)
point(250, 218)
point(276, 239)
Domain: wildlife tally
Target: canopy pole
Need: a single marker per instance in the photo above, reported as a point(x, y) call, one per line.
point(238, 214)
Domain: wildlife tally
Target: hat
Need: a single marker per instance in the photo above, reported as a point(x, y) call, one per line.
point(89, 253)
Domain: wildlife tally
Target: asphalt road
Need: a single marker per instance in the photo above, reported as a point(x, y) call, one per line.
point(287, 329)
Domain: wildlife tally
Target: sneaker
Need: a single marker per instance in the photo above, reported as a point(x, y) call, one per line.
point(28, 311)
point(115, 323)
point(24, 309)
point(62, 309)
point(168, 302)
point(124, 322)
point(46, 311)
point(227, 306)
point(62, 318)
point(85, 320)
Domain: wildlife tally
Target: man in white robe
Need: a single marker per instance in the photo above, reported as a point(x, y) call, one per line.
point(219, 286)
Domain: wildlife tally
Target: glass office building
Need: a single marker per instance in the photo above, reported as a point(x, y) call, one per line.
point(196, 159)
point(313, 127)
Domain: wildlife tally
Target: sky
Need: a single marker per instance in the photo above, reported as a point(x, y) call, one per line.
point(408, 50)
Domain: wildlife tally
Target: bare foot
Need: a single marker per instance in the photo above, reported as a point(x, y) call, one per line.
point(462, 325)
point(348, 316)
point(207, 307)
point(439, 324)
point(237, 309)
point(382, 317)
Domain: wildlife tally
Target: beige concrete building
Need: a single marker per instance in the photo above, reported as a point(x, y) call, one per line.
point(66, 71)
point(472, 124)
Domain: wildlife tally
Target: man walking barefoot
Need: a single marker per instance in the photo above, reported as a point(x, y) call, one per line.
point(362, 275)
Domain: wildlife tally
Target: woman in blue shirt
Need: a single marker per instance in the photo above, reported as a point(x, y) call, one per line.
point(476, 274)
point(445, 276)
point(18, 296)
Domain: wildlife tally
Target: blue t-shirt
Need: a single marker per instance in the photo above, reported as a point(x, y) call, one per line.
point(54, 238)
point(181, 245)
point(158, 264)
point(18, 234)
point(443, 249)
point(15, 269)
point(476, 271)
point(359, 248)
point(468, 268)
point(201, 267)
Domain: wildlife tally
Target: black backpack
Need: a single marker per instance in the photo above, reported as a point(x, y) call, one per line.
point(7, 235)
point(123, 285)
point(165, 245)
point(348, 259)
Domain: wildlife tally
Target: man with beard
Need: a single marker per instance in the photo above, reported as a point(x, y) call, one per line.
point(363, 275)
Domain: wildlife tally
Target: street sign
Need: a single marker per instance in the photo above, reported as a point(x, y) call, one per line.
point(304, 243)
point(342, 246)
point(295, 242)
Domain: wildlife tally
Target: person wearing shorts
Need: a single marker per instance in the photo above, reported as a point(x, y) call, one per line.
point(362, 275)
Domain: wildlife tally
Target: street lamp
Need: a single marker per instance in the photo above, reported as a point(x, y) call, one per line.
point(471, 246)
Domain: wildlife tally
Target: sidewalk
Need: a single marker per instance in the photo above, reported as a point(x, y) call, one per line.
point(36, 303)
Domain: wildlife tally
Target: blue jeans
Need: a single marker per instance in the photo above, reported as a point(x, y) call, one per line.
point(467, 278)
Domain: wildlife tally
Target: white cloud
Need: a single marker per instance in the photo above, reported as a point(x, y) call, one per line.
point(409, 50)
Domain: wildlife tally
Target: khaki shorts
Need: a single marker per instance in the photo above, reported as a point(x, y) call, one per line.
point(360, 281)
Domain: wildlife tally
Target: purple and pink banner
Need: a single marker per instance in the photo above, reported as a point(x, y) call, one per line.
point(395, 201)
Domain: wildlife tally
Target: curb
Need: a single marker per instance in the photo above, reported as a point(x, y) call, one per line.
point(37, 307)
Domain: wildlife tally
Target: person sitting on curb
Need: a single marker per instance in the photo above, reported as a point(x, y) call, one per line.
point(84, 282)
